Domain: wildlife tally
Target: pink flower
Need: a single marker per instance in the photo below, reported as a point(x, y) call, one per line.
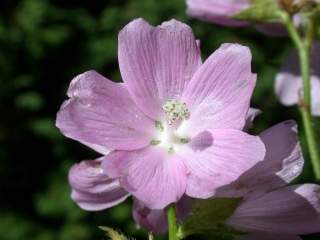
point(174, 126)
point(222, 12)
point(270, 210)
point(218, 11)
point(288, 83)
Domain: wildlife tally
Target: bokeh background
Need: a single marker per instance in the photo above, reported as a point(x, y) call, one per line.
point(43, 45)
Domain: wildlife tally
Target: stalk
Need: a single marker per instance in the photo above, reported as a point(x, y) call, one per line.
point(303, 46)
point(172, 222)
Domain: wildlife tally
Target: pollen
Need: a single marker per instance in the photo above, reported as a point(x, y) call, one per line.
point(175, 111)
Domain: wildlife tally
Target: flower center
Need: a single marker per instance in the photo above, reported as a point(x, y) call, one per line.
point(168, 135)
point(175, 111)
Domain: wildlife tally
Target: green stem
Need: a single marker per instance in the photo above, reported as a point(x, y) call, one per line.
point(172, 222)
point(304, 55)
point(150, 236)
point(303, 47)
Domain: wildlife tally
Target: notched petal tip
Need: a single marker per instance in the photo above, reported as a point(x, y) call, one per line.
point(135, 25)
point(140, 25)
point(82, 83)
point(237, 48)
point(175, 25)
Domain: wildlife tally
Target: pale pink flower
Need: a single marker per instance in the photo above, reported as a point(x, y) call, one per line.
point(222, 12)
point(270, 210)
point(218, 11)
point(288, 83)
point(174, 126)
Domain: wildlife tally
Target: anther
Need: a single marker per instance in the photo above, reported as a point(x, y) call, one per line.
point(175, 111)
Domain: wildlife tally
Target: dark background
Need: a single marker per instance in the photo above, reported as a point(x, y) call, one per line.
point(43, 45)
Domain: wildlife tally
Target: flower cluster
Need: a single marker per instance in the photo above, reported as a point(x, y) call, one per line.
point(175, 130)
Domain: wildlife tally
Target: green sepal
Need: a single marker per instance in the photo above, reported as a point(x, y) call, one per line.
point(261, 11)
point(208, 217)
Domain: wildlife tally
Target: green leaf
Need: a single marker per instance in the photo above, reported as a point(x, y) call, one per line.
point(261, 11)
point(208, 216)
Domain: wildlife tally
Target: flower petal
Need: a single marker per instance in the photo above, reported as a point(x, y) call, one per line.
point(283, 163)
point(251, 115)
point(219, 93)
point(218, 11)
point(315, 90)
point(292, 210)
point(151, 175)
point(156, 63)
point(101, 115)
point(92, 189)
point(211, 166)
point(288, 83)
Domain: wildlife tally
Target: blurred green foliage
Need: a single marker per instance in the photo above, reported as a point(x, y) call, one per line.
point(43, 45)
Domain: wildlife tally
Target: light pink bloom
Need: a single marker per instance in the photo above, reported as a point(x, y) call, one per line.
point(221, 12)
point(288, 83)
point(175, 126)
point(218, 11)
point(270, 210)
